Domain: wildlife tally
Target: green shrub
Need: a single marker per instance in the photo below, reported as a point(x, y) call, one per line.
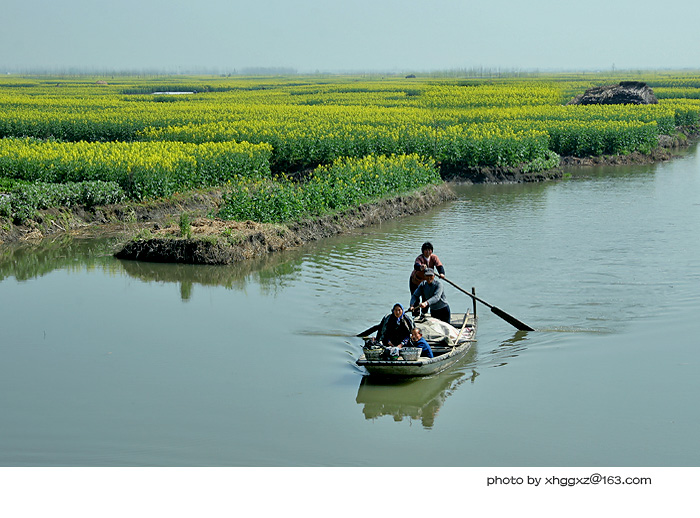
point(542, 163)
point(185, 225)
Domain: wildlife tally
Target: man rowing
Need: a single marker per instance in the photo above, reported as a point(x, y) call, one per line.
point(431, 294)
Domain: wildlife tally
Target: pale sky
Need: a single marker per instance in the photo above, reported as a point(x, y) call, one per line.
point(350, 35)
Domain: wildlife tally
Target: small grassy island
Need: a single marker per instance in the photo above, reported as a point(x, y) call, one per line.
point(234, 167)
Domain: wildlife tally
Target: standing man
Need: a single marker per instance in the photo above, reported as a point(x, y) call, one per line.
point(432, 294)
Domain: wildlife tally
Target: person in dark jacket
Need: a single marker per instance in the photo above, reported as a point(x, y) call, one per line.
point(431, 294)
point(395, 328)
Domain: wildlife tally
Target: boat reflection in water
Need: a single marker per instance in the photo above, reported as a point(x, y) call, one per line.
point(418, 399)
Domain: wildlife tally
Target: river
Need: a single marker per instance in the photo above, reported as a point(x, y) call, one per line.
point(115, 363)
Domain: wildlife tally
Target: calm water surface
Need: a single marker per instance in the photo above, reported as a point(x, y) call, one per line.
point(111, 363)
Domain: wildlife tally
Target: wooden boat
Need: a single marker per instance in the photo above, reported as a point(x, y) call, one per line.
point(447, 349)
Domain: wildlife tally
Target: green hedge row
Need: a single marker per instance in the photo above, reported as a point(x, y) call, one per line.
point(23, 201)
point(346, 183)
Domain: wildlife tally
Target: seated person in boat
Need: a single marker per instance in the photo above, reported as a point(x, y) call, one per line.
point(417, 340)
point(432, 294)
point(395, 328)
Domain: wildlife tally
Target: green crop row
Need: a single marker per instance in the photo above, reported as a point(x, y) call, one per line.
point(23, 201)
point(300, 144)
point(609, 138)
point(346, 183)
point(142, 169)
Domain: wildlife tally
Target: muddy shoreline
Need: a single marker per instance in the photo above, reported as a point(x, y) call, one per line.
point(152, 232)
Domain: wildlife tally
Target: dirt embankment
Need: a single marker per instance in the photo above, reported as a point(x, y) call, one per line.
point(223, 242)
point(126, 219)
point(498, 174)
point(667, 149)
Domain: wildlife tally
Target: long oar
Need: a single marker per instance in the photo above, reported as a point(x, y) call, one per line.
point(369, 331)
point(505, 316)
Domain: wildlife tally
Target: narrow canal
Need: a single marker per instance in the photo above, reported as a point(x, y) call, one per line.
point(111, 363)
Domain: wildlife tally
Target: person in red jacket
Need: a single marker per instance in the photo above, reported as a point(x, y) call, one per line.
point(427, 259)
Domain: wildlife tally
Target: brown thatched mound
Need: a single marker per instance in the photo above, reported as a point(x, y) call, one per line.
point(627, 92)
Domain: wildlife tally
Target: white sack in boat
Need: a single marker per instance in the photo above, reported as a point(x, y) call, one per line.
point(435, 330)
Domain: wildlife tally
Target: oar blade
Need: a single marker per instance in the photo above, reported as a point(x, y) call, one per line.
point(505, 316)
point(511, 319)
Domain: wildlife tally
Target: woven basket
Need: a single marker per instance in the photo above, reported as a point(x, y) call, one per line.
point(373, 353)
point(410, 354)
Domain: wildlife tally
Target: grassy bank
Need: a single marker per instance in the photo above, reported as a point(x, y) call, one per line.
point(216, 241)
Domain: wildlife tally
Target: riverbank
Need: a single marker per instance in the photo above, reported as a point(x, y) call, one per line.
point(214, 241)
point(668, 148)
point(154, 230)
point(160, 219)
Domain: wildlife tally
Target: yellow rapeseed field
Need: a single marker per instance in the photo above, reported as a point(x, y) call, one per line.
point(230, 129)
